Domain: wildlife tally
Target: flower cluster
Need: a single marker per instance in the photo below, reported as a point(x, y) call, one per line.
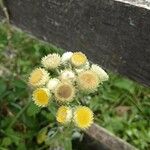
point(65, 79)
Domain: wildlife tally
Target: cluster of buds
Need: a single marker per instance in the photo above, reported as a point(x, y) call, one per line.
point(64, 79)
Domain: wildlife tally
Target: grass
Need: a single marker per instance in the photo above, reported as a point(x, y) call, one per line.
point(120, 105)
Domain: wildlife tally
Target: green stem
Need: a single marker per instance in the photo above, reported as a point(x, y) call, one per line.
point(19, 114)
point(68, 138)
point(67, 143)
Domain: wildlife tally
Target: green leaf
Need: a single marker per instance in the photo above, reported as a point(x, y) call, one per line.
point(15, 138)
point(125, 84)
point(111, 95)
point(33, 110)
point(21, 146)
point(2, 86)
point(20, 84)
point(6, 141)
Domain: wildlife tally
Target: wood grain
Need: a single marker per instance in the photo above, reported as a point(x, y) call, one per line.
point(111, 141)
point(113, 34)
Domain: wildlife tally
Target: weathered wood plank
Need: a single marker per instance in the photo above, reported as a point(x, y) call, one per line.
point(112, 142)
point(112, 33)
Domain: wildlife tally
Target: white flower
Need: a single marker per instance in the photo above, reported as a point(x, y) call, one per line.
point(41, 97)
point(88, 81)
point(64, 92)
point(52, 83)
point(67, 75)
point(38, 77)
point(51, 61)
point(100, 72)
point(64, 114)
point(66, 57)
point(78, 59)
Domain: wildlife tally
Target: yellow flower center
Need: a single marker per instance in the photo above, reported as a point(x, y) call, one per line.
point(41, 97)
point(36, 76)
point(84, 117)
point(62, 114)
point(88, 78)
point(78, 58)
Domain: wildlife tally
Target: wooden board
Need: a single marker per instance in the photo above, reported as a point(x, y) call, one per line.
point(113, 33)
point(108, 139)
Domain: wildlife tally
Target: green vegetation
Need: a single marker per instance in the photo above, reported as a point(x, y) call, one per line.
point(120, 105)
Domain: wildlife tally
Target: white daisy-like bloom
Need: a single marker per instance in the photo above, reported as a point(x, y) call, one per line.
point(67, 75)
point(64, 92)
point(83, 117)
point(78, 59)
point(41, 97)
point(52, 83)
point(64, 114)
point(66, 57)
point(103, 76)
point(88, 81)
point(38, 77)
point(51, 61)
